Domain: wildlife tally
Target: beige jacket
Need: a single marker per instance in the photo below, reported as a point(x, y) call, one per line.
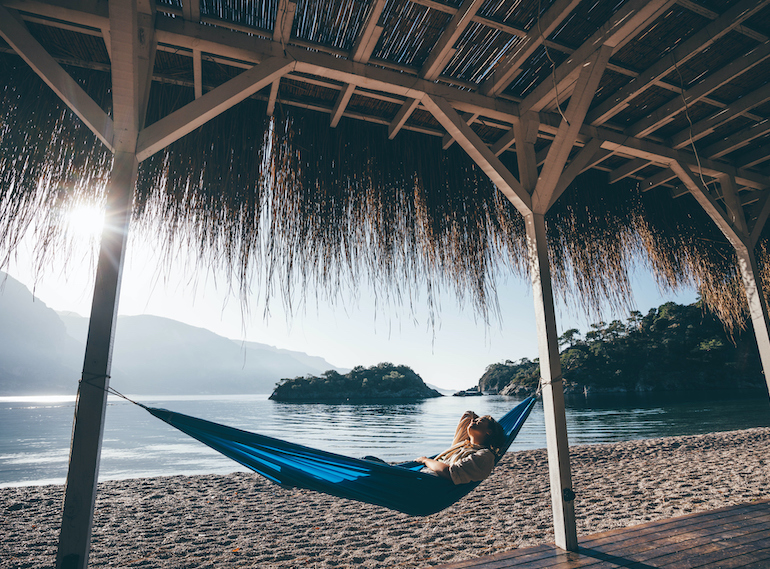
point(467, 462)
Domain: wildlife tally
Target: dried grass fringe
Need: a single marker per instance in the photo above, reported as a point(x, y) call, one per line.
point(311, 208)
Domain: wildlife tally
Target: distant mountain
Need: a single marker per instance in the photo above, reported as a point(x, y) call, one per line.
point(36, 353)
point(42, 352)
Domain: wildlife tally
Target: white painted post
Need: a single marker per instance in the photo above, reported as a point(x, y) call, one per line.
point(80, 491)
point(757, 306)
point(562, 495)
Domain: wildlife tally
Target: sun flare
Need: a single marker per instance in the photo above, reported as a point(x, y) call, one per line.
point(85, 221)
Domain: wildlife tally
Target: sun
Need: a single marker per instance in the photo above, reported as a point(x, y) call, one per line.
point(85, 221)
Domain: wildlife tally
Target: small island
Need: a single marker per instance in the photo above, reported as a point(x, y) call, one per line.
point(384, 381)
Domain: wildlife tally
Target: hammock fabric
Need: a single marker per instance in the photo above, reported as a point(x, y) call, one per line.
point(399, 487)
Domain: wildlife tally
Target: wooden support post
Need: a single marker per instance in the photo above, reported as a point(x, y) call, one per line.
point(80, 491)
point(562, 495)
point(732, 223)
point(757, 306)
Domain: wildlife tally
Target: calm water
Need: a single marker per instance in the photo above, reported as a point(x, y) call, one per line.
point(35, 432)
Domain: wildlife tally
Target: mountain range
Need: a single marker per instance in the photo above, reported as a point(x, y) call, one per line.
point(41, 352)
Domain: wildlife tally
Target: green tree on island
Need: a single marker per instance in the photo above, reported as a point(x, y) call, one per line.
point(673, 347)
point(382, 381)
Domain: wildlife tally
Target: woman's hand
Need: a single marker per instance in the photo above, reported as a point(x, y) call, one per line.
point(440, 468)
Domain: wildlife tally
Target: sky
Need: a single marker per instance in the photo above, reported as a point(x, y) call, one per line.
point(355, 332)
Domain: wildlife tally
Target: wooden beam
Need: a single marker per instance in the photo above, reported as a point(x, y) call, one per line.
point(65, 87)
point(685, 51)
point(665, 114)
point(132, 52)
point(90, 407)
point(707, 201)
point(370, 34)
point(479, 152)
point(588, 156)
point(628, 169)
point(747, 264)
point(197, 73)
point(551, 381)
point(469, 119)
point(127, 84)
point(146, 47)
point(273, 97)
point(526, 132)
point(504, 142)
point(752, 285)
point(182, 121)
point(656, 180)
point(753, 158)
point(738, 140)
point(733, 205)
point(401, 117)
point(341, 103)
point(663, 155)
point(710, 124)
point(762, 215)
point(711, 15)
point(284, 20)
point(618, 30)
point(437, 58)
point(191, 10)
point(558, 154)
point(505, 73)
point(361, 52)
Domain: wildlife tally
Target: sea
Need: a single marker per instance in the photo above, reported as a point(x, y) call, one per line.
point(35, 431)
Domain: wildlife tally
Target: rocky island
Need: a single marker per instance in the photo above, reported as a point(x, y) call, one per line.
point(384, 381)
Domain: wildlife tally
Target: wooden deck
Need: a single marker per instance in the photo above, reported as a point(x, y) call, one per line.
point(733, 537)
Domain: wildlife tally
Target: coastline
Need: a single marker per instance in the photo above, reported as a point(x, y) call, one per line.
point(242, 520)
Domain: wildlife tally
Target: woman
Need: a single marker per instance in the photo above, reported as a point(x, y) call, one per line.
point(473, 453)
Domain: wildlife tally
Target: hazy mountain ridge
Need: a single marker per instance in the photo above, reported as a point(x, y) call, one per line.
point(42, 351)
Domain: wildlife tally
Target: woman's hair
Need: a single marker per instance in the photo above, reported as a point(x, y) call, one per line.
point(496, 438)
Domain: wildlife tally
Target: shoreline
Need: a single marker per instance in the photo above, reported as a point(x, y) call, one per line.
point(242, 520)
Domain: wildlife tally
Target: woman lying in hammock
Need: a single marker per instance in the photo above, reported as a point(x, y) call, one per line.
point(473, 453)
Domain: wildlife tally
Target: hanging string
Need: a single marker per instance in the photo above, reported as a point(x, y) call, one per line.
point(553, 65)
point(689, 120)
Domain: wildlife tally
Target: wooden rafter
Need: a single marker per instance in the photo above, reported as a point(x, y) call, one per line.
point(666, 113)
point(479, 152)
point(174, 126)
point(659, 179)
point(620, 29)
point(688, 49)
point(68, 90)
point(710, 124)
point(361, 52)
point(191, 10)
point(546, 24)
point(569, 129)
point(438, 57)
point(738, 140)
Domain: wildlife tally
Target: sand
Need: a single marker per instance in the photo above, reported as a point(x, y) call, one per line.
point(241, 520)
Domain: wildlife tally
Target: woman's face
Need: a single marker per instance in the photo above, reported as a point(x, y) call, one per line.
point(478, 429)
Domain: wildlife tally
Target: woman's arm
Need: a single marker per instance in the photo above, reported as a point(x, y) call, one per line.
point(462, 427)
point(440, 468)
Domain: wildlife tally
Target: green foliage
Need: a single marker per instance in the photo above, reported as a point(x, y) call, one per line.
point(672, 347)
point(383, 381)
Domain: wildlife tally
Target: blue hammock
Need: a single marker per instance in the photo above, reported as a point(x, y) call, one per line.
point(399, 487)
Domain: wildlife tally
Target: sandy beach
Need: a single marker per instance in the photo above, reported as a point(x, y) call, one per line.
point(242, 520)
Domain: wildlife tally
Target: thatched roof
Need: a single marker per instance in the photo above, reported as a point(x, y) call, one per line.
point(334, 174)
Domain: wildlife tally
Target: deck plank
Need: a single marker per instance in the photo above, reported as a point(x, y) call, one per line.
point(734, 537)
